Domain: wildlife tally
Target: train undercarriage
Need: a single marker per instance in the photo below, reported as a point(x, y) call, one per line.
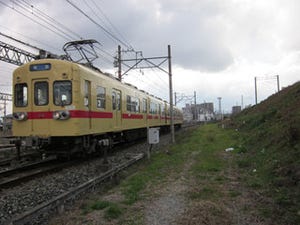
point(69, 146)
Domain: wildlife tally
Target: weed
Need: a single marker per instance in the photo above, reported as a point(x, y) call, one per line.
point(113, 212)
point(97, 205)
point(100, 205)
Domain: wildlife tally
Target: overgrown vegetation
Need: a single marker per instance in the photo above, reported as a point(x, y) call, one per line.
point(270, 147)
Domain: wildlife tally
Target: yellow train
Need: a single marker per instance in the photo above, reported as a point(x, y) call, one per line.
point(66, 107)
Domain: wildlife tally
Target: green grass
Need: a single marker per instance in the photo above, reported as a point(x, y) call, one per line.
point(112, 210)
point(270, 136)
point(203, 146)
point(154, 171)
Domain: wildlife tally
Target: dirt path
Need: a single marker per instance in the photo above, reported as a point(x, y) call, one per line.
point(171, 203)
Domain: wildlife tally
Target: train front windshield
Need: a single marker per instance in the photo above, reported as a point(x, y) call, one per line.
point(62, 92)
point(21, 93)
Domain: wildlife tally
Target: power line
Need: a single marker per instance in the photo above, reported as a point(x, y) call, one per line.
point(28, 17)
point(53, 20)
point(42, 17)
point(110, 35)
point(27, 37)
point(111, 24)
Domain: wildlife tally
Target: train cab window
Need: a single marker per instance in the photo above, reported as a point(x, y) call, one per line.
point(21, 95)
point(62, 93)
point(41, 96)
point(100, 97)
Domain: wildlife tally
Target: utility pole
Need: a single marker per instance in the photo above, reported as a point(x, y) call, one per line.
point(195, 111)
point(242, 102)
point(255, 86)
point(149, 63)
point(220, 108)
point(119, 63)
point(171, 95)
point(278, 88)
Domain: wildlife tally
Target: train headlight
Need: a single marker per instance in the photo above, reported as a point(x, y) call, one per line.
point(20, 116)
point(61, 115)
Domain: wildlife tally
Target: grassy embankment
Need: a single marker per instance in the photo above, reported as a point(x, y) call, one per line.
point(270, 143)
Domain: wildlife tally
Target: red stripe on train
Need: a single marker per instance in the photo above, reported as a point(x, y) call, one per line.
point(90, 114)
point(132, 116)
point(73, 114)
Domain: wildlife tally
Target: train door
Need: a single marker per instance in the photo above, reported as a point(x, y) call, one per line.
point(145, 111)
point(40, 111)
point(87, 101)
point(116, 107)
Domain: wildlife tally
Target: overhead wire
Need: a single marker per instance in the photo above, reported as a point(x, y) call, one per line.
point(54, 21)
point(110, 35)
point(32, 19)
point(110, 23)
point(29, 9)
point(27, 37)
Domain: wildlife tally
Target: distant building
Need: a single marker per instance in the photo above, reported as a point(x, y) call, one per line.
point(236, 110)
point(200, 112)
point(187, 113)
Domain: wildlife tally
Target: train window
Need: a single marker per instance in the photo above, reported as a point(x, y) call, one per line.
point(153, 108)
point(86, 92)
point(128, 103)
point(113, 99)
point(62, 93)
point(133, 104)
point(118, 101)
point(21, 95)
point(100, 97)
point(41, 96)
point(144, 106)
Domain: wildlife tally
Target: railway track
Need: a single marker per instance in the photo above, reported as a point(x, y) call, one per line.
point(58, 203)
point(35, 201)
point(15, 176)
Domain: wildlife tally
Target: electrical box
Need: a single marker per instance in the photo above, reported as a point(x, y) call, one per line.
point(153, 135)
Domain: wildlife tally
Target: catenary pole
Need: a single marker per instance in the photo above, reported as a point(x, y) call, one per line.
point(171, 96)
point(119, 63)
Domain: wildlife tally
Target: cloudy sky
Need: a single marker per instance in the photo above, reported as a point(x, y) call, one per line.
point(218, 46)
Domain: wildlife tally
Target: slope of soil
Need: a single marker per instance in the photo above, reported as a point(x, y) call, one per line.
point(270, 142)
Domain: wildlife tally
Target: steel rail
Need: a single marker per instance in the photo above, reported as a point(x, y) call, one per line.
point(58, 203)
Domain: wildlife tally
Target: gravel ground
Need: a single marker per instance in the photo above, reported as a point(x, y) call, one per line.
point(30, 194)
